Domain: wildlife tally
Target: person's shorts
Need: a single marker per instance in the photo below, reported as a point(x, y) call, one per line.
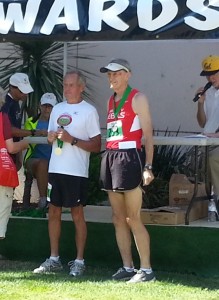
point(67, 190)
point(121, 170)
point(28, 165)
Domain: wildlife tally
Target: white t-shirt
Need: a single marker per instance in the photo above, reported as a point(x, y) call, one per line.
point(80, 121)
point(211, 108)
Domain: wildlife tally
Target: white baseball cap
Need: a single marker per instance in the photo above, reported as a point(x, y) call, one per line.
point(116, 65)
point(21, 81)
point(48, 98)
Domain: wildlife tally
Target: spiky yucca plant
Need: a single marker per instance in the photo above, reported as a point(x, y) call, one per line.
point(167, 160)
point(43, 62)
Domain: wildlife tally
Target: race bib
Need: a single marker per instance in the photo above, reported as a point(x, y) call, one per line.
point(114, 131)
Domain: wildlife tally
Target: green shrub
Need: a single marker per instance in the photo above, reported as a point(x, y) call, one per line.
point(167, 160)
point(156, 194)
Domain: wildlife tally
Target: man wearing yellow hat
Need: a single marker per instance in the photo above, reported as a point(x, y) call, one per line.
point(208, 114)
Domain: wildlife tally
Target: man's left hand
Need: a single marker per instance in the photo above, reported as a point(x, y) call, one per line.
point(147, 177)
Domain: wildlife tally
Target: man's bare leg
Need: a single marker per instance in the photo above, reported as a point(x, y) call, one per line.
point(133, 200)
point(80, 230)
point(54, 228)
point(122, 230)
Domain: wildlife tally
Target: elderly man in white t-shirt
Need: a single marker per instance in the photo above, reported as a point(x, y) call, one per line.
point(74, 133)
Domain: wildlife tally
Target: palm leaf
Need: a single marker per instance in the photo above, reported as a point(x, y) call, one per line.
point(43, 62)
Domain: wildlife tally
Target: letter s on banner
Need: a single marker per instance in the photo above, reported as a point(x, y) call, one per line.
point(210, 14)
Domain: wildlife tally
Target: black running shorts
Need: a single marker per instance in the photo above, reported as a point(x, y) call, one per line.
point(121, 170)
point(67, 190)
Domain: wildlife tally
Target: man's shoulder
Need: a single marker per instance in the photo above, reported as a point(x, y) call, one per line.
point(139, 95)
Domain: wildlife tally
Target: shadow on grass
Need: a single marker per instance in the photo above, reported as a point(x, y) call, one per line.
point(14, 268)
point(192, 280)
point(11, 270)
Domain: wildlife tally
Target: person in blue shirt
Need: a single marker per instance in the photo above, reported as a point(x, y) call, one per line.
point(37, 156)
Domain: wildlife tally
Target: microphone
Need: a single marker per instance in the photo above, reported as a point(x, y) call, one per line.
point(207, 86)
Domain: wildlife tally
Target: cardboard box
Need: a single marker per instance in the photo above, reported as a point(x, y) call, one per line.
point(173, 215)
point(181, 190)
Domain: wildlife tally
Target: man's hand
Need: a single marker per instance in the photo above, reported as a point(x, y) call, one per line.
point(201, 98)
point(147, 177)
point(64, 136)
point(52, 136)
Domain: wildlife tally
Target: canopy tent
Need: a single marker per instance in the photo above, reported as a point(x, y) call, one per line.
point(75, 20)
point(108, 20)
point(92, 20)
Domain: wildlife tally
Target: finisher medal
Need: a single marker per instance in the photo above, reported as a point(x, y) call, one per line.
point(58, 151)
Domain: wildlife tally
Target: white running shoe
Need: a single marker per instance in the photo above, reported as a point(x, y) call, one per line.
point(49, 265)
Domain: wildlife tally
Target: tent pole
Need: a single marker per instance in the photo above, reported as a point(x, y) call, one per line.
point(65, 59)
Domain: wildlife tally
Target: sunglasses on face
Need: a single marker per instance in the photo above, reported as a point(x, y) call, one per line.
point(47, 105)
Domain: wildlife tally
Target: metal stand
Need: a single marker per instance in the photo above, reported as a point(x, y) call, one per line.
point(207, 183)
point(27, 190)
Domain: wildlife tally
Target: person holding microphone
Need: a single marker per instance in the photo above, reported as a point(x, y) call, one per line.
point(208, 113)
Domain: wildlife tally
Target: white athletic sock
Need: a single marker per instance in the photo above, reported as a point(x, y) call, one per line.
point(80, 261)
point(128, 269)
point(148, 271)
point(55, 258)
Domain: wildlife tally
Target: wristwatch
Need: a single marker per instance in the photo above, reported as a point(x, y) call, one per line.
point(148, 167)
point(74, 141)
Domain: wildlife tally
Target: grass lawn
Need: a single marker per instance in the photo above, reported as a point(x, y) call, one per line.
point(18, 282)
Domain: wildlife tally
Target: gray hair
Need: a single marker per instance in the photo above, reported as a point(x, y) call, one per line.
point(81, 77)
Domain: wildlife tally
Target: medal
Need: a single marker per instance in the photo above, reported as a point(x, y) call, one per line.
point(58, 151)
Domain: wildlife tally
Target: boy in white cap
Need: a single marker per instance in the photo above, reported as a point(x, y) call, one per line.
point(37, 157)
point(19, 88)
point(208, 114)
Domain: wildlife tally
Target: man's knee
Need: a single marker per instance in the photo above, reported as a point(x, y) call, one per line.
point(77, 214)
point(118, 219)
point(133, 219)
point(54, 212)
